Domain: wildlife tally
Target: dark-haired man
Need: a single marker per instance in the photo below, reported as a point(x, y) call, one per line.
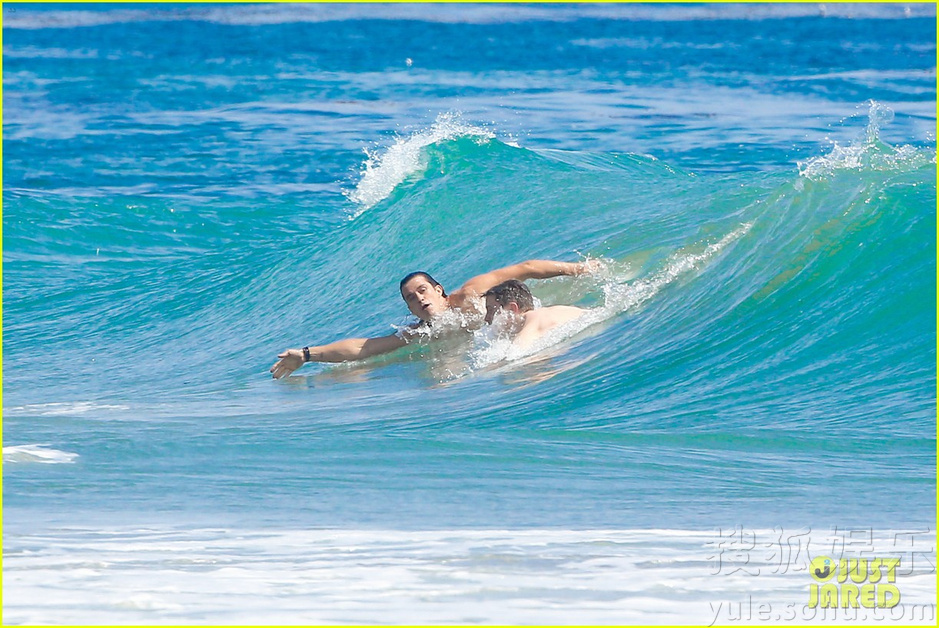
point(427, 300)
point(510, 308)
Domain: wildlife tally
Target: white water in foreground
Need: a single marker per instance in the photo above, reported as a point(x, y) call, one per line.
point(36, 454)
point(218, 576)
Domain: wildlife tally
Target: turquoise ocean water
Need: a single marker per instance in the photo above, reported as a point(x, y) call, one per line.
point(190, 189)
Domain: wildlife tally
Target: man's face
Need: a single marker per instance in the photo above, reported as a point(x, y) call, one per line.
point(424, 299)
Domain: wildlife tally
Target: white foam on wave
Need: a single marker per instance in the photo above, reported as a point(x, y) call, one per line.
point(866, 152)
point(449, 576)
point(36, 454)
point(62, 408)
point(385, 169)
point(621, 294)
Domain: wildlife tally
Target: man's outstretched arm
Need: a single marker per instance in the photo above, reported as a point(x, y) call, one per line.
point(341, 351)
point(531, 269)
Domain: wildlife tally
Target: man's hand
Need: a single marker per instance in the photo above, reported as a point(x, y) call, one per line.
point(290, 361)
point(590, 267)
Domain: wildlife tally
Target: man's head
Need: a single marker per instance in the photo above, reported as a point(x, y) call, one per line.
point(425, 297)
point(510, 296)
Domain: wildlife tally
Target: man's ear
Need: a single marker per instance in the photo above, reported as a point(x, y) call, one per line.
point(512, 306)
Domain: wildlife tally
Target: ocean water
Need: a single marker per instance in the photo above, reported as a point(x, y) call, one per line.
point(190, 189)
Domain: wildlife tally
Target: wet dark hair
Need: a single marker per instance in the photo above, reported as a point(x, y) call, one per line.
point(420, 273)
point(512, 290)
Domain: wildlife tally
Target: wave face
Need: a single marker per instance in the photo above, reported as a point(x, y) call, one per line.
point(800, 303)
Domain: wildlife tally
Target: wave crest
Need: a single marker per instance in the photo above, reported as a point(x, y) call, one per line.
point(866, 153)
point(384, 171)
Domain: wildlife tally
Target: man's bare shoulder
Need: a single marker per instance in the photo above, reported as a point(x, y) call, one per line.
point(552, 315)
point(541, 321)
point(468, 301)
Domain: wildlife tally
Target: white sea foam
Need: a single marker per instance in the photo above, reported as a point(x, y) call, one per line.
point(386, 169)
point(41, 454)
point(622, 293)
point(867, 151)
point(62, 408)
point(455, 576)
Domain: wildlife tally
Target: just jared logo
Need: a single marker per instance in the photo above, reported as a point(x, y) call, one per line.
point(860, 583)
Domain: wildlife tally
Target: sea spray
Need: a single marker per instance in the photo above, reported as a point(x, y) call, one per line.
point(384, 170)
point(867, 151)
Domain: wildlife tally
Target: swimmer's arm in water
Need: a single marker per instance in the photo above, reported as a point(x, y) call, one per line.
point(531, 269)
point(340, 351)
point(541, 321)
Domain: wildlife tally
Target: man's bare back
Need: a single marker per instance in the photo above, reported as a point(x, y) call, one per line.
point(539, 322)
point(510, 309)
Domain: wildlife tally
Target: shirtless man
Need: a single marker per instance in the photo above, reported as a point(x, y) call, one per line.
point(427, 300)
point(510, 307)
